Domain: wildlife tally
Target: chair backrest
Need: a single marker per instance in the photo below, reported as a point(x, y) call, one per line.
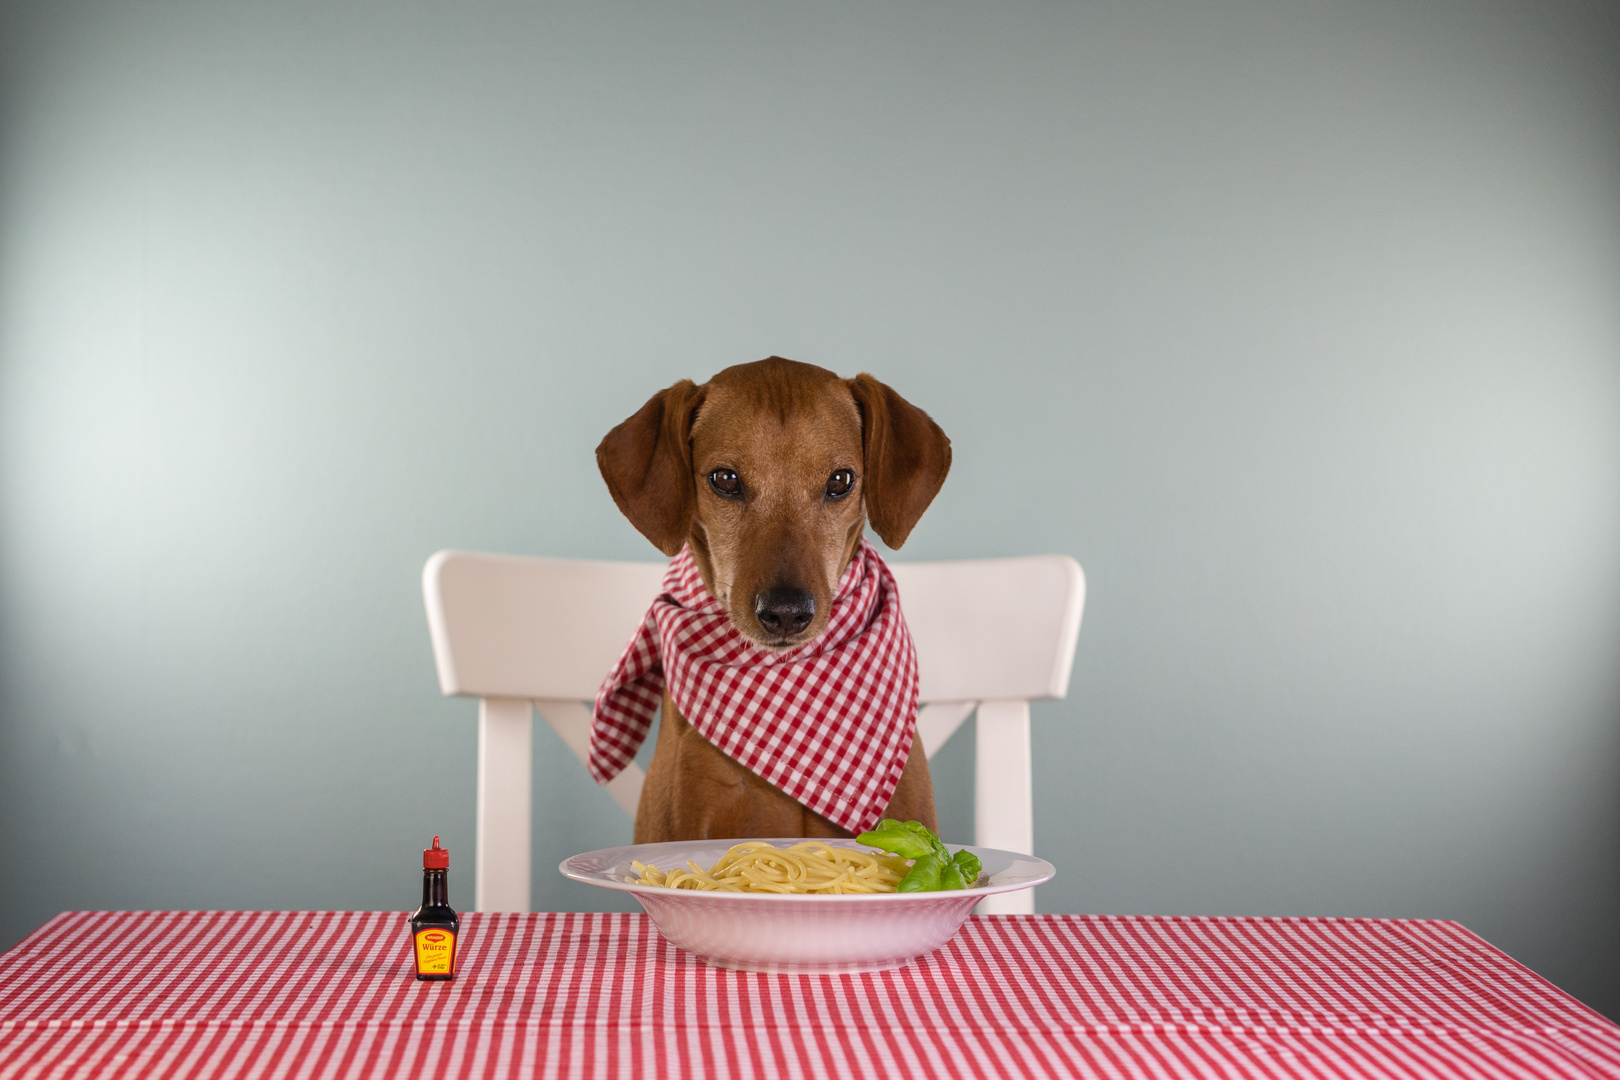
point(519, 632)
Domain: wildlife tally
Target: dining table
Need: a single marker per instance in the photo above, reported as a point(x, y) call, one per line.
point(334, 994)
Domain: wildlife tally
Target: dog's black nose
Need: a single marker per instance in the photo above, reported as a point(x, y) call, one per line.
point(784, 611)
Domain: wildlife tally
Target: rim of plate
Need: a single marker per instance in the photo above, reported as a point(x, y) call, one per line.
point(1041, 872)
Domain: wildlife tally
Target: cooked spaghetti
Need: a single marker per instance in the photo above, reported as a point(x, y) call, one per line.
point(807, 867)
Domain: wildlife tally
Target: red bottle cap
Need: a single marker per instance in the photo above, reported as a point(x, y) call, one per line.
point(436, 857)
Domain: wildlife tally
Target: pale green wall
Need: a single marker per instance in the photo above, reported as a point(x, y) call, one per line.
point(1298, 324)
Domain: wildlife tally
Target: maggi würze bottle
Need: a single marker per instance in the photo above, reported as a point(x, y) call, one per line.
point(434, 926)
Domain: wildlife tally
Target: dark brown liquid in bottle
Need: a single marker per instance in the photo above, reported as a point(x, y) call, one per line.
point(435, 929)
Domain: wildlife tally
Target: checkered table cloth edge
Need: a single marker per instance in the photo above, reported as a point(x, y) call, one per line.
point(330, 994)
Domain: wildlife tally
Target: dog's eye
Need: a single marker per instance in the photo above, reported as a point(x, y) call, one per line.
point(726, 482)
point(840, 483)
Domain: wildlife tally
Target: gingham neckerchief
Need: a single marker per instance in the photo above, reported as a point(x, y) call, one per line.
point(830, 723)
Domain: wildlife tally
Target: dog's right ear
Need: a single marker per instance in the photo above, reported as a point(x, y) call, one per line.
point(647, 463)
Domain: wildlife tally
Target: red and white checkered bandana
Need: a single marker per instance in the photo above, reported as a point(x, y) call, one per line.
point(830, 723)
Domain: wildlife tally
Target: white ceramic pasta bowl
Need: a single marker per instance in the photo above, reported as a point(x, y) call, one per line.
point(799, 933)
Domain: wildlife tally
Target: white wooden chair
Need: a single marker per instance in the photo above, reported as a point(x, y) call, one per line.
point(517, 632)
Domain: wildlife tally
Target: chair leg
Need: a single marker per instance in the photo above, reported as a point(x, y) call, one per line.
point(505, 730)
point(1003, 795)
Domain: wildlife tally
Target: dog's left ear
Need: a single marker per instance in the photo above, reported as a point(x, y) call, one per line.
point(907, 457)
point(647, 463)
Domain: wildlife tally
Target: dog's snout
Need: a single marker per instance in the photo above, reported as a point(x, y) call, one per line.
point(784, 612)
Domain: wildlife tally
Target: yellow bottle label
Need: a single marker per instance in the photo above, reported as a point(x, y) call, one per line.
point(435, 952)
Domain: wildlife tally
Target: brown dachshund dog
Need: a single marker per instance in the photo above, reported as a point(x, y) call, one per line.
point(770, 471)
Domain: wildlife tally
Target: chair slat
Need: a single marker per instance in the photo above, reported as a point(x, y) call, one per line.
point(501, 876)
point(572, 720)
point(938, 721)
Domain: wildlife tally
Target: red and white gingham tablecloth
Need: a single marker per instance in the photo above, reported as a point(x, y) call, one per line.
point(330, 994)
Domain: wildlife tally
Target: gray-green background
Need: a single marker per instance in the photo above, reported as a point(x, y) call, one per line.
point(1297, 323)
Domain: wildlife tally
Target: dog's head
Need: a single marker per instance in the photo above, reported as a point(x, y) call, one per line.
point(770, 471)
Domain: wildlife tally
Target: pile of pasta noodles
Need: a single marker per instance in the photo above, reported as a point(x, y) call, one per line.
point(807, 867)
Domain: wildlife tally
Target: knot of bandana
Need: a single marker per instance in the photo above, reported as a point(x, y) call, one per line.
point(830, 723)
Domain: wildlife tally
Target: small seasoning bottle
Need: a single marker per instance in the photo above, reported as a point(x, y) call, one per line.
point(435, 925)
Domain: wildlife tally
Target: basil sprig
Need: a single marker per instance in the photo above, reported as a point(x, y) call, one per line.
point(933, 867)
